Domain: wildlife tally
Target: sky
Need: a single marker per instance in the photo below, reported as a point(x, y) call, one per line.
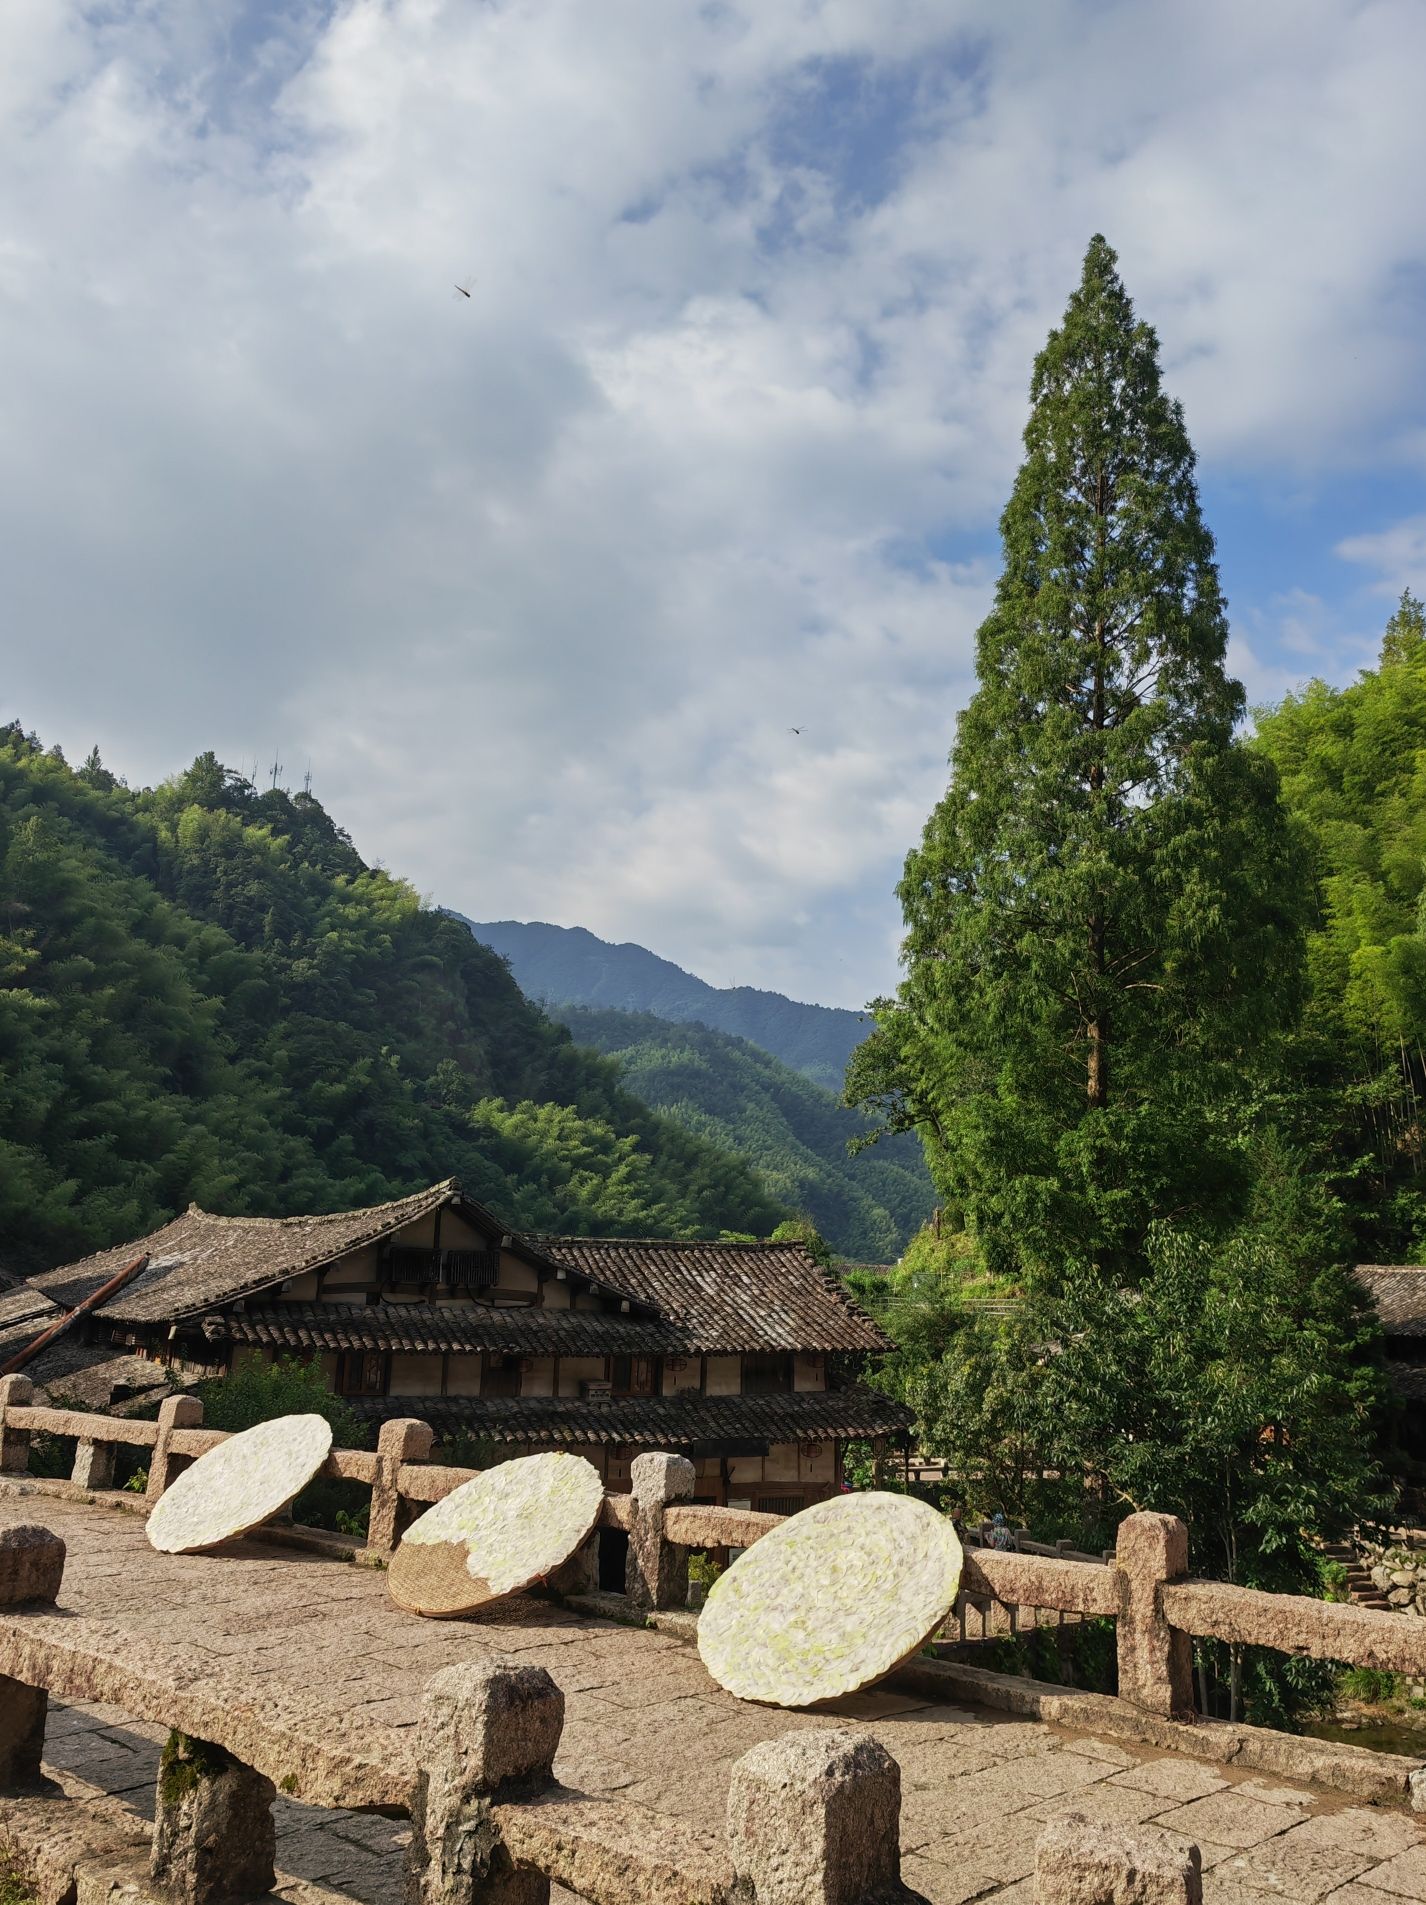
point(538, 582)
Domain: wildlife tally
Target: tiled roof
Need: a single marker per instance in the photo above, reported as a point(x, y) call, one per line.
point(653, 1422)
point(717, 1296)
point(727, 1296)
point(24, 1313)
point(523, 1330)
point(199, 1261)
point(1398, 1293)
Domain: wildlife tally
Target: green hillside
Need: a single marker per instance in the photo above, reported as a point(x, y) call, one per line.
point(567, 963)
point(205, 994)
point(726, 1090)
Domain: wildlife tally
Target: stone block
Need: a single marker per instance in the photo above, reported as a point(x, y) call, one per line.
point(16, 1392)
point(404, 1439)
point(814, 1818)
point(174, 1412)
point(213, 1837)
point(1079, 1862)
point(485, 1732)
point(656, 1572)
point(93, 1465)
point(1155, 1658)
point(31, 1565)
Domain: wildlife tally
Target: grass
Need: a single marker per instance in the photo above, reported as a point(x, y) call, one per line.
point(15, 1888)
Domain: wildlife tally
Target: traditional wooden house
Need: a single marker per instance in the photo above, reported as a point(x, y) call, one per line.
point(742, 1356)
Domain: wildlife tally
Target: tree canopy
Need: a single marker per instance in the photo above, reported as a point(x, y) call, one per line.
point(1103, 932)
point(1353, 768)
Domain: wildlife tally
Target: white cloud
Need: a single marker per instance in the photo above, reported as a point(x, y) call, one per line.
point(539, 580)
point(1397, 554)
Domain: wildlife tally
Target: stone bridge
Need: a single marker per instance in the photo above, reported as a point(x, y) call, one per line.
point(644, 1724)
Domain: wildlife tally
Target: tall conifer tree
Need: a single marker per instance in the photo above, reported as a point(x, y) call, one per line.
point(1103, 918)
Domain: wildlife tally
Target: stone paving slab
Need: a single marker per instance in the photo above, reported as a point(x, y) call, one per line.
point(644, 1721)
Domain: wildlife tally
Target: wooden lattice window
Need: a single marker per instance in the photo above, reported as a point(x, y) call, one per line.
point(631, 1375)
point(362, 1372)
point(470, 1269)
point(408, 1263)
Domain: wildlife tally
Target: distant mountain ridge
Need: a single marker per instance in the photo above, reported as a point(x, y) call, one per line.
point(569, 965)
point(728, 1092)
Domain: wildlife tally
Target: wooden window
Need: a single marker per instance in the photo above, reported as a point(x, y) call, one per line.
point(470, 1269)
point(631, 1375)
point(404, 1264)
point(362, 1372)
point(767, 1374)
point(501, 1376)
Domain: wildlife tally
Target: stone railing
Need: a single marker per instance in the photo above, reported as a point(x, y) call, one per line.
point(815, 1815)
point(398, 1473)
point(1158, 1611)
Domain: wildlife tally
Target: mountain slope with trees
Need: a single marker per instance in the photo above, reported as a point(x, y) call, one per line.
point(566, 964)
point(205, 994)
point(795, 1133)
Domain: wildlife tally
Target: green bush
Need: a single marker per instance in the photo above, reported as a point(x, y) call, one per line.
point(260, 1392)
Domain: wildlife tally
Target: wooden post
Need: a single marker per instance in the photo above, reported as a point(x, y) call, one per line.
point(485, 1733)
point(31, 1569)
point(16, 1392)
point(404, 1439)
point(174, 1412)
point(1155, 1658)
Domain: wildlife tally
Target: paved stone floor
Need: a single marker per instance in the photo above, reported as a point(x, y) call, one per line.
point(644, 1721)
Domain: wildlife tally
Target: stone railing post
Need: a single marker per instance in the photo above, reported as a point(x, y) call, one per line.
point(1155, 1658)
point(174, 1412)
point(213, 1834)
point(815, 1819)
point(31, 1569)
point(486, 1733)
point(93, 1464)
point(656, 1572)
point(16, 1392)
point(1082, 1863)
point(403, 1439)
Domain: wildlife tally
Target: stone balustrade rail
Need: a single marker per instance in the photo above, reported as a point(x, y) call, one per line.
point(815, 1815)
point(1157, 1609)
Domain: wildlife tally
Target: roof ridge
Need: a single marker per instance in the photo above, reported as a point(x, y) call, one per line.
point(444, 1186)
point(671, 1243)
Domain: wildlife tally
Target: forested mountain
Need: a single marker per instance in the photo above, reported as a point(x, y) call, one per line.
point(728, 1090)
point(205, 994)
point(569, 965)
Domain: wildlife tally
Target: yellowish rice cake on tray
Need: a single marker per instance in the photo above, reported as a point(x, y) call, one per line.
point(239, 1484)
point(832, 1600)
point(503, 1530)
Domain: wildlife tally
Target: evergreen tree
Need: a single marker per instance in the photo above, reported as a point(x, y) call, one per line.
point(1103, 930)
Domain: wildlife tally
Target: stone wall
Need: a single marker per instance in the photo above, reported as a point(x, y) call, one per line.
point(1400, 1573)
